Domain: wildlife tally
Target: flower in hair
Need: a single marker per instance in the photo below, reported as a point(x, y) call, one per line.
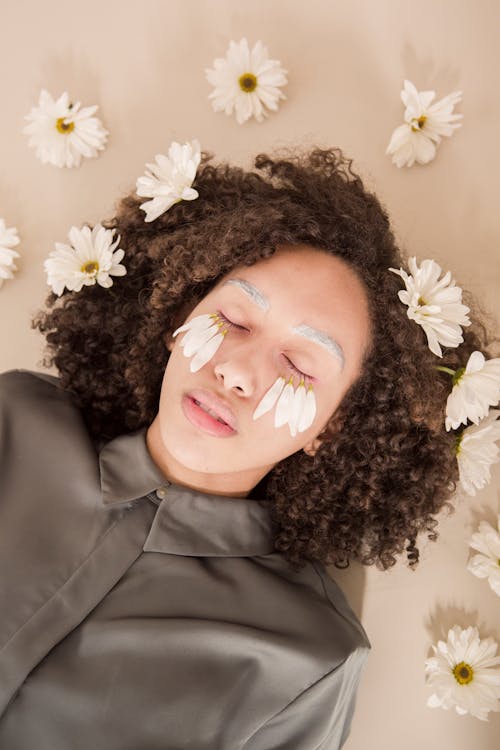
point(90, 258)
point(477, 451)
point(61, 132)
point(297, 408)
point(462, 673)
point(170, 180)
point(424, 124)
point(8, 239)
point(433, 303)
point(246, 81)
point(476, 387)
point(485, 564)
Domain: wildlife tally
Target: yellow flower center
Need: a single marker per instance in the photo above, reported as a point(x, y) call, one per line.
point(463, 673)
point(91, 267)
point(418, 124)
point(64, 127)
point(421, 301)
point(248, 82)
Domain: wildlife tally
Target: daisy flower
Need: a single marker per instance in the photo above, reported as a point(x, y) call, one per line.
point(461, 674)
point(246, 81)
point(476, 387)
point(433, 303)
point(61, 132)
point(425, 123)
point(476, 452)
point(90, 258)
point(487, 563)
point(170, 179)
point(8, 239)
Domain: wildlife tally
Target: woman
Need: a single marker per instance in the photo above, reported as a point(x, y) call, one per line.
point(249, 403)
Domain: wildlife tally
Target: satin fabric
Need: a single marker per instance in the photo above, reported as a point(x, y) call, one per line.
point(137, 614)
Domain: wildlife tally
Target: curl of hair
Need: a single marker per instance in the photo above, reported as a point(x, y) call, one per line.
point(386, 466)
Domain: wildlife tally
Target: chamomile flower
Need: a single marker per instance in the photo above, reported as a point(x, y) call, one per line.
point(476, 387)
point(425, 123)
point(61, 132)
point(246, 82)
point(90, 258)
point(8, 239)
point(433, 303)
point(476, 452)
point(486, 564)
point(170, 179)
point(461, 674)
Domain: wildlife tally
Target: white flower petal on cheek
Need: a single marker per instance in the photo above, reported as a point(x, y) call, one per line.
point(199, 322)
point(206, 352)
point(308, 412)
point(284, 405)
point(269, 398)
point(195, 339)
point(298, 405)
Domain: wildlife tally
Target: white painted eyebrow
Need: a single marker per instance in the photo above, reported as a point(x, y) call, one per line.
point(323, 339)
point(252, 291)
point(318, 337)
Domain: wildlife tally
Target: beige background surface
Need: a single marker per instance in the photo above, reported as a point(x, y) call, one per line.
point(143, 64)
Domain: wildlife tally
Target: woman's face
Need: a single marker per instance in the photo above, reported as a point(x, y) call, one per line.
point(300, 310)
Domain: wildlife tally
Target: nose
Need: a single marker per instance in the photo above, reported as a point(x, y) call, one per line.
point(236, 375)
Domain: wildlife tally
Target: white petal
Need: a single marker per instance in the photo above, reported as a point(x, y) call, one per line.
point(206, 352)
point(308, 412)
point(269, 398)
point(284, 405)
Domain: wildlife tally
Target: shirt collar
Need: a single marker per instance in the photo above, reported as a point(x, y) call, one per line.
point(187, 522)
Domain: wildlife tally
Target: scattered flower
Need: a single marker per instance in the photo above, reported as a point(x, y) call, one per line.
point(8, 239)
point(424, 125)
point(461, 674)
point(476, 387)
point(169, 181)
point(434, 304)
point(62, 133)
point(91, 257)
point(476, 452)
point(487, 563)
point(246, 81)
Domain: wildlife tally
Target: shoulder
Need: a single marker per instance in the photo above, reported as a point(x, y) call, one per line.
point(27, 394)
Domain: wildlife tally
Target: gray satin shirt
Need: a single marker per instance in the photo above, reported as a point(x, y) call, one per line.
point(136, 614)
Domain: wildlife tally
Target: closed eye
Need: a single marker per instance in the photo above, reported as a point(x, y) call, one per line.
point(288, 361)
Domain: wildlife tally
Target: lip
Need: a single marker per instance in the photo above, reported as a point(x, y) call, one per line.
point(217, 405)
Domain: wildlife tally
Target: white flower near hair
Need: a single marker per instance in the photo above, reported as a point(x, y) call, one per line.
point(461, 674)
point(90, 258)
point(434, 303)
point(9, 238)
point(61, 132)
point(476, 387)
point(246, 82)
point(425, 123)
point(170, 180)
point(297, 408)
point(486, 564)
point(476, 452)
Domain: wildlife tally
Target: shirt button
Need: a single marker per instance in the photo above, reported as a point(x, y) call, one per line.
point(161, 493)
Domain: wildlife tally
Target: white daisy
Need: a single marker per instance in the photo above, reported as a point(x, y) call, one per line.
point(487, 563)
point(90, 258)
point(170, 179)
point(8, 239)
point(476, 387)
point(425, 123)
point(461, 674)
point(434, 304)
point(62, 133)
point(246, 81)
point(477, 451)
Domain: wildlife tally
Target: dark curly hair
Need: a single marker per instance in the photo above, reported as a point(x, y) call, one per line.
point(386, 465)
